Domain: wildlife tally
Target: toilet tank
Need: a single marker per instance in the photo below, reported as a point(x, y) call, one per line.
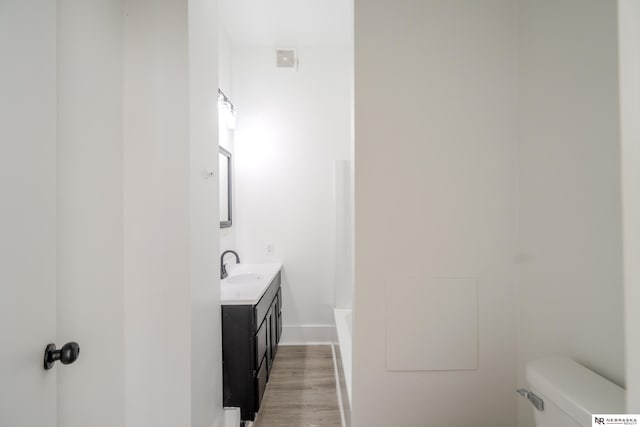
point(571, 393)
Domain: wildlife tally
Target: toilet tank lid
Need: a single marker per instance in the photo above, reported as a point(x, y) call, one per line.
point(575, 389)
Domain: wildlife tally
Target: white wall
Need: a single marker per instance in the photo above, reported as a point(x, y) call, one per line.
point(343, 233)
point(291, 127)
point(90, 207)
point(629, 54)
point(225, 52)
point(156, 214)
point(571, 293)
point(206, 326)
point(170, 245)
point(225, 135)
point(435, 196)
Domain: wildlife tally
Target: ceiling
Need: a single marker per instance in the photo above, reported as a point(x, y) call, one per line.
point(288, 23)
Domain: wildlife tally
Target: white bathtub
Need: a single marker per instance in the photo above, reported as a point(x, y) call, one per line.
point(344, 328)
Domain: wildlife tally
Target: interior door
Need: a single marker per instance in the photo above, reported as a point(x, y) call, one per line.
point(28, 394)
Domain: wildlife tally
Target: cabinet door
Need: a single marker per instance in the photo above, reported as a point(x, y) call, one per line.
point(276, 324)
point(261, 382)
point(279, 316)
point(279, 323)
point(271, 343)
point(262, 342)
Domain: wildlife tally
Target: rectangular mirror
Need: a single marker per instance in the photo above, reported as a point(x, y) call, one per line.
point(224, 172)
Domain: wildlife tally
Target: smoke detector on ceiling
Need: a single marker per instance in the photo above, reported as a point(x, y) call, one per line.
point(286, 58)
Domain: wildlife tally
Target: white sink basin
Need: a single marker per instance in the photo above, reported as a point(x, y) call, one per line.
point(246, 283)
point(244, 278)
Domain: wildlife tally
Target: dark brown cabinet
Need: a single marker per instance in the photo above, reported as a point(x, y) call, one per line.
point(250, 337)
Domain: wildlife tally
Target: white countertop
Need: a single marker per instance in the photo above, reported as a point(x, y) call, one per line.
point(246, 283)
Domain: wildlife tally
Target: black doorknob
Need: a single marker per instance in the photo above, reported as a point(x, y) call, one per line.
point(67, 354)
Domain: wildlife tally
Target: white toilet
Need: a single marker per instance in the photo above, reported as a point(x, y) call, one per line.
point(571, 393)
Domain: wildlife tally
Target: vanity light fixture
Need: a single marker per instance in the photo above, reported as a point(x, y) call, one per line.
point(226, 110)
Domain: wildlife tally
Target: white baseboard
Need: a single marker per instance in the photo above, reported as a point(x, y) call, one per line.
point(308, 334)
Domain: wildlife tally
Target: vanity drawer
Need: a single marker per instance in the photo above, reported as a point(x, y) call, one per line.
point(261, 341)
point(264, 305)
point(261, 382)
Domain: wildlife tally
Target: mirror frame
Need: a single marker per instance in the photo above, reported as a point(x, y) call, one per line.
point(227, 224)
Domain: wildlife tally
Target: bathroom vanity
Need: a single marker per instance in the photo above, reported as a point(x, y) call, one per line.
point(251, 329)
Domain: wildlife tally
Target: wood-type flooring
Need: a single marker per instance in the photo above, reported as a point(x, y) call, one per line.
point(302, 389)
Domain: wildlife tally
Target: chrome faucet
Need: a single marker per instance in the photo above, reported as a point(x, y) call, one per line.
point(223, 267)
